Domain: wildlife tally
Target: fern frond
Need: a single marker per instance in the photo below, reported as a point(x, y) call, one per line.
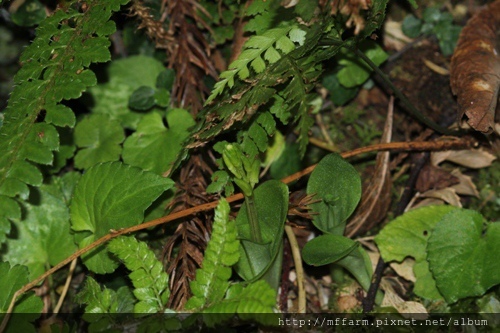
point(211, 282)
point(148, 277)
point(54, 68)
point(253, 302)
point(266, 45)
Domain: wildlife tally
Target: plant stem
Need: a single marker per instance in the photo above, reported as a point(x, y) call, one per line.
point(253, 220)
point(297, 259)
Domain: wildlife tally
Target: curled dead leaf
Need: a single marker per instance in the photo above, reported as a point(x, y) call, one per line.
point(470, 158)
point(405, 269)
point(475, 69)
point(408, 310)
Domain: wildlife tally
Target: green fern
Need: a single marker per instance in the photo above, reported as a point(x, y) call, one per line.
point(265, 45)
point(211, 282)
point(255, 301)
point(54, 68)
point(148, 277)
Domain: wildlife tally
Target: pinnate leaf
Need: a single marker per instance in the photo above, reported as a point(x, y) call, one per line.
point(111, 196)
point(222, 252)
point(147, 274)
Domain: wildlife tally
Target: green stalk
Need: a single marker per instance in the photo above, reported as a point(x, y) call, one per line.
point(253, 219)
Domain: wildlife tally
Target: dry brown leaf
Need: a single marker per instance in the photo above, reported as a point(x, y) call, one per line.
point(406, 309)
point(394, 38)
point(405, 269)
point(470, 158)
point(433, 177)
point(475, 69)
point(465, 186)
point(447, 195)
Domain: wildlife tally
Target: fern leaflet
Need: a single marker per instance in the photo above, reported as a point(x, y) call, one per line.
point(148, 277)
point(211, 282)
point(255, 301)
point(54, 68)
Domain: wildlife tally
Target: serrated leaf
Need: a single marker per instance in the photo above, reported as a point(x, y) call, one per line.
point(407, 236)
point(29, 306)
point(338, 185)
point(272, 55)
point(60, 115)
point(297, 36)
point(222, 252)
point(285, 44)
point(99, 139)
point(461, 258)
point(43, 236)
point(154, 147)
point(258, 65)
point(111, 196)
point(10, 211)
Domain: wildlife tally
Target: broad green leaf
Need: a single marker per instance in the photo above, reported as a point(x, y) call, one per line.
point(125, 76)
point(43, 236)
point(142, 99)
point(338, 185)
point(100, 140)
point(212, 279)
point(327, 249)
point(355, 71)
point(462, 259)
point(271, 202)
point(111, 196)
point(29, 306)
point(407, 236)
point(154, 147)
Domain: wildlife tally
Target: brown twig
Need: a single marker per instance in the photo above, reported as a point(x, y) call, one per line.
point(392, 146)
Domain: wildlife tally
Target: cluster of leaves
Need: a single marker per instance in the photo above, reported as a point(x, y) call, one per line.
point(435, 22)
point(67, 181)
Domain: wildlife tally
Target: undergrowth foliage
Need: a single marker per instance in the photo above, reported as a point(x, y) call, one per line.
point(146, 139)
point(55, 68)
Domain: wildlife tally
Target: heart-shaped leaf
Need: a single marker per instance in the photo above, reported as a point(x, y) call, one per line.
point(463, 261)
point(338, 185)
point(407, 236)
point(111, 196)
